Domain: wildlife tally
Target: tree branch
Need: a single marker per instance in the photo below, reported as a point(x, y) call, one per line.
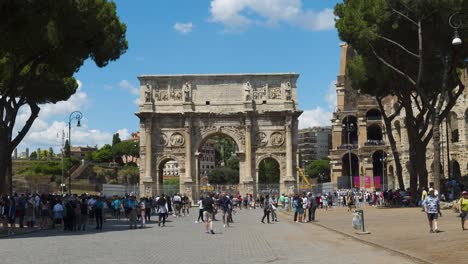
point(400, 46)
point(22, 133)
point(404, 16)
point(392, 67)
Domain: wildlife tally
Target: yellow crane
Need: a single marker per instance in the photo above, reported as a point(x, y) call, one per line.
point(304, 177)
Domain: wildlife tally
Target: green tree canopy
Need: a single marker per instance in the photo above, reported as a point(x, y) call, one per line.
point(66, 149)
point(318, 168)
point(269, 172)
point(223, 176)
point(103, 154)
point(43, 44)
point(33, 155)
point(126, 148)
point(115, 139)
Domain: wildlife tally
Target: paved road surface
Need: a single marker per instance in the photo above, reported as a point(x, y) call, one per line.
point(183, 241)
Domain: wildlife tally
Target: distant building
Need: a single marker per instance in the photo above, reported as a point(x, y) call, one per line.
point(207, 158)
point(314, 143)
point(171, 168)
point(80, 152)
point(127, 159)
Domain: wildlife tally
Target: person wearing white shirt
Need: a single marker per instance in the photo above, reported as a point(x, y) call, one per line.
point(305, 205)
point(177, 204)
point(58, 213)
point(200, 212)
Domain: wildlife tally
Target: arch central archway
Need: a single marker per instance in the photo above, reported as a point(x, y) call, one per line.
point(350, 169)
point(217, 163)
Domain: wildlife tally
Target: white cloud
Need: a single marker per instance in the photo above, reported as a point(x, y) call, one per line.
point(315, 117)
point(136, 101)
point(184, 28)
point(320, 116)
point(126, 85)
point(46, 130)
point(237, 15)
point(123, 134)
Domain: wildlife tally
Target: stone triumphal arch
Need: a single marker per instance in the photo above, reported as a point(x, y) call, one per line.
point(179, 112)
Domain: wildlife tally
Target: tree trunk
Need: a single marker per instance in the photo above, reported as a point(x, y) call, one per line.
point(421, 165)
point(395, 153)
point(436, 143)
point(412, 168)
point(9, 143)
point(5, 181)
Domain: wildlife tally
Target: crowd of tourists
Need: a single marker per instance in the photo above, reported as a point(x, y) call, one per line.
point(74, 213)
point(77, 213)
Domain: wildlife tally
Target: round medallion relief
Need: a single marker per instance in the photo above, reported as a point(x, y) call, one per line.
point(163, 140)
point(261, 139)
point(276, 139)
point(177, 140)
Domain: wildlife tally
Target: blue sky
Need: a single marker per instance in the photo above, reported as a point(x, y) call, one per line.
point(200, 36)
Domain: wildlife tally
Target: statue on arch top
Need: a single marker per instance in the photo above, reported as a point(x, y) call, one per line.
point(148, 92)
point(247, 91)
point(187, 88)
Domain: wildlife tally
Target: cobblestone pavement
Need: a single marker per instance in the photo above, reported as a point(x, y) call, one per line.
point(183, 241)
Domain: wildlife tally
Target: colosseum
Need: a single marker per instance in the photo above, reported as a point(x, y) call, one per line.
point(361, 154)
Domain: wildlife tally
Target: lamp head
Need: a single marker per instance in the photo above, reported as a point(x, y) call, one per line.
point(456, 39)
point(78, 124)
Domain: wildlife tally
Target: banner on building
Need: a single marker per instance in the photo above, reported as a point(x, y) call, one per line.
point(377, 183)
point(367, 182)
point(357, 182)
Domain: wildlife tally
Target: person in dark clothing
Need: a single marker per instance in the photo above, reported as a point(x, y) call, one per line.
point(68, 219)
point(208, 207)
point(98, 208)
point(313, 207)
point(84, 214)
point(266, 209)
point(225, 204)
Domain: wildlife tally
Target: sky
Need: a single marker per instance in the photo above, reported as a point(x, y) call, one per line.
point(196, 37)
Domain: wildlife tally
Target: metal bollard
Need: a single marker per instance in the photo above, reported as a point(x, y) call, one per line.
point(358, 222)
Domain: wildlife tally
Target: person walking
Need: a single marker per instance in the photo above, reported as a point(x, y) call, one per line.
point(200, 211)
point(142, 207)
point(208, 206)
point(225, 205)
point(273, 207)
point(177, 204)
point(432, 209)
point(162, 210)
point(266, 209)
point(463, 209)
point(423, 198)
point(185, 205)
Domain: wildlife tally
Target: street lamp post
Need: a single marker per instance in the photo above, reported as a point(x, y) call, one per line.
point(349, 128)
point(383, 160)
point(74, 115)
point(455, 22)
